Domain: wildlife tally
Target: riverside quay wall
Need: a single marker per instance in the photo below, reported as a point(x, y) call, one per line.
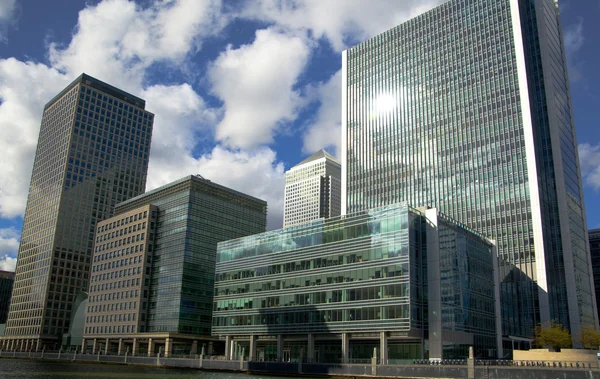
point(456, 371)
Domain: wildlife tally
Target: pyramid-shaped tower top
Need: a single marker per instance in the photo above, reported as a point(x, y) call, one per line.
point(318, 155)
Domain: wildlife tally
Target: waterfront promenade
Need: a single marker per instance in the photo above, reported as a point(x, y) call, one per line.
point(456, 369)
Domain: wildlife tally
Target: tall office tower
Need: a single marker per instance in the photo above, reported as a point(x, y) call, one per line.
point(92, 153)
point(312, 189)
point(595, 253)
point(467, 108)
point(7, 280)
point(153, 269)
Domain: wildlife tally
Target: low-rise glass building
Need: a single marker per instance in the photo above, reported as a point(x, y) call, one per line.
point(411, 284)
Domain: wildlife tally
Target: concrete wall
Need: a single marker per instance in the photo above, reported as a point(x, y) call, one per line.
point(342, 370)
point(565, 355)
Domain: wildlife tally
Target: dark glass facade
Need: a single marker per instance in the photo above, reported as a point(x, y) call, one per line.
point(595, 252)
point(92, 153)
point(467, 108)
point(365, 276)
point(7, 280)
point(192, 216)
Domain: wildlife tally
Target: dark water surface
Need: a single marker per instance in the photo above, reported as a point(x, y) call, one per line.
point(42, 369)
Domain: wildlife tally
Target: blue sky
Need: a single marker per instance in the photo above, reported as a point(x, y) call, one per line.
point(242, 90)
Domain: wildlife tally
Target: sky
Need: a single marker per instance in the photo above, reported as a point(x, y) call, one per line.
point(241, 90)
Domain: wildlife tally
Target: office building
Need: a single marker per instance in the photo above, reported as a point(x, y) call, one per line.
point(153, 269)
point(467, 108)
point(92, 153)
point(594, 235)
point(412, 284)
point(312, 189)
point(7, 279)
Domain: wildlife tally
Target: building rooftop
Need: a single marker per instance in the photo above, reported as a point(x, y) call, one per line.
point(101, 86)
point(318, 155)
point(7, 275)
point(149, 196)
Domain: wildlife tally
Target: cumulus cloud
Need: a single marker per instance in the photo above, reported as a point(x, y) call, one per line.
point(257, 173)
point(340, 22)
point(8, 263)
point(325, 131)
point(9, 241)
point(24, 89)
point(256, 83)
point(9, 247)
point(589, 159)
point(8, 15)
point(117, 40)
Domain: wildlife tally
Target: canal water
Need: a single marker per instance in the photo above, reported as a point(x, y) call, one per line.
point(41, 369)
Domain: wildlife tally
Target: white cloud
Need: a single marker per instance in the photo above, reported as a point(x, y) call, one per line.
point(9, 241)
point(325, 131)
point(24, 89)
point(117, 40)
point(589, 159)
point(574, 38)
point(256, 173)
point(256, 83)
point(8, 263)
point(179, 125)
point(8, 14)
point(339, 22)
point(9, 247)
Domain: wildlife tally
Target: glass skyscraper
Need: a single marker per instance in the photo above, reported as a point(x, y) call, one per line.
point(7, 280)
point(594, 235)
point(92, 153)
point(467, 108)
point(154, 264)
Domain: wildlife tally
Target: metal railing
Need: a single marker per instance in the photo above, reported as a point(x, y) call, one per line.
point(196, 360)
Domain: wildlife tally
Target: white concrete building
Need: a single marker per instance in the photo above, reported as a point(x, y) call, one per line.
point(312, 189)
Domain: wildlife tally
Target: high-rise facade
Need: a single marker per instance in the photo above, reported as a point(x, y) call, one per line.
point(467, 108)
point(312, 189)
point(7, 279)
point(92, 153)
point(152, 277)
point(594, 235)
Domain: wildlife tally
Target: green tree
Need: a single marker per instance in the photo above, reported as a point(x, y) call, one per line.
point(590, 338)
point(552, 335)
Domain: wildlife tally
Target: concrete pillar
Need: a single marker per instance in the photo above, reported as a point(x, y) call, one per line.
point(26, 346)
point(11, 345)
point(252, 351)
point(95, 346)
point(310, 351)
point(345, 347)
point(120, 348)
point(471, 364)
point(194, 349)
point(227, 347)
point(83, 346)
point(383, 347)
point(134, 348)
point(106, 346)
point(150, 347)
point(38, 345)
point(279, 347)
point(168, 347)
